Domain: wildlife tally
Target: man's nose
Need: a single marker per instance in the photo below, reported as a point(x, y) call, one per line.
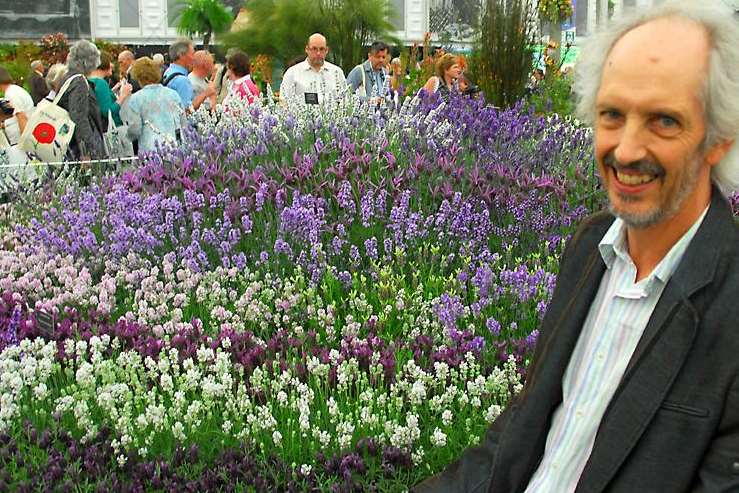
point(632, 143)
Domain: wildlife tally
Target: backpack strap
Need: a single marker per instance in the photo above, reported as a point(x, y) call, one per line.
point(169, 78)
point(224, 69)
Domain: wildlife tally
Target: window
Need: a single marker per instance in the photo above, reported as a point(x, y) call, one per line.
point(38, 7)
point(398, 18)
point(173, 11)
point(128, 13)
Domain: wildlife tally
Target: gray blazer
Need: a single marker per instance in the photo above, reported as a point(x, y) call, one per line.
point(673, 423)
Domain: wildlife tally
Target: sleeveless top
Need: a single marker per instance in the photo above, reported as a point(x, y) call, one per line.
point(442, 89)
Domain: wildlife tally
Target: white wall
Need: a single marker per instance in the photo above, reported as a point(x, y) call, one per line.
point(152, 26)
point(415, 18)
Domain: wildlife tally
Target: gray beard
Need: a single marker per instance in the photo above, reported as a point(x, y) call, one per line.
point(660, 214)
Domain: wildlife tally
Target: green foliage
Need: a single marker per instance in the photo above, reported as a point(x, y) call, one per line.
point(19, 70)
point(553, 95)
point(7, 50)
point(555, 11)
point(203, 18)
point(54, 48)
point(17, 60)
point(280, 28)
point(502, 60)
point(112, 49)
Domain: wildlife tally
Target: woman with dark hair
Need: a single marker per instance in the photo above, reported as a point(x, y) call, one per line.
point(107, 100)
point(80, 101)
point(242, 87)
point(447, 72)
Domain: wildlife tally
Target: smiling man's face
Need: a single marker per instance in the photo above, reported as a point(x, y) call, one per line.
point(650, 123)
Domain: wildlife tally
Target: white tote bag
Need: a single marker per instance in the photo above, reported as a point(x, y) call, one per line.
point(117, 143)
point(49, 129)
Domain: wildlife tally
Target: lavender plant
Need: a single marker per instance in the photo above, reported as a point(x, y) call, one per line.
point(297, 299)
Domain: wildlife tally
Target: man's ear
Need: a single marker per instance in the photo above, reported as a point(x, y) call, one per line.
point(716, 153)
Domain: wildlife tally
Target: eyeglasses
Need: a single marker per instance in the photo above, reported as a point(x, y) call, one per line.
point(318, 49)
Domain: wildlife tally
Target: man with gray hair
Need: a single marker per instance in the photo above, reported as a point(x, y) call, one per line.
point(125, 62)
point(182, 56)
point(634, 385)
point(37, 83)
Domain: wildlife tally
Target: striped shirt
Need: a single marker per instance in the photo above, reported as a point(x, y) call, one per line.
point(613, 327)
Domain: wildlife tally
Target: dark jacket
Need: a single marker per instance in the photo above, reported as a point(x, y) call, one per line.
point(39, 87)
point(673, 423)
point(135, 86)
point(79, 100)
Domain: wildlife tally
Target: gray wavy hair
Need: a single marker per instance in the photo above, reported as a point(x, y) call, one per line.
point(55, 75)
point(179, 48)
point(84, 57)
point(721, 91)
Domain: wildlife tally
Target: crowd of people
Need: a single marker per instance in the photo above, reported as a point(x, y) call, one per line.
point(150, 100)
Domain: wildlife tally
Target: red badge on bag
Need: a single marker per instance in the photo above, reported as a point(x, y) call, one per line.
point(44, 133)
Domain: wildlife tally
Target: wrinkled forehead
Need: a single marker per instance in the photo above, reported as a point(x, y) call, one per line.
point(672, 45)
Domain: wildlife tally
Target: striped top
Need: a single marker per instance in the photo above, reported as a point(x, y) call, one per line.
point(613, 327)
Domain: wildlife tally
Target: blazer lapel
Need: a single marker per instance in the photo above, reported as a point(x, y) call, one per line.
point(660, 354)
point(522, 444)
point(642, 390)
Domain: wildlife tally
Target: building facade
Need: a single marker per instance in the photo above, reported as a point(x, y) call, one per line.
point(151, 22)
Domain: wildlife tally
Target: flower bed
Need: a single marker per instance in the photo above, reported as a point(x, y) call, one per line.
point(290, 300)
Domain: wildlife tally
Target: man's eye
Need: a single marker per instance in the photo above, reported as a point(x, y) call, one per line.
point(610, 115)
point(667, 122)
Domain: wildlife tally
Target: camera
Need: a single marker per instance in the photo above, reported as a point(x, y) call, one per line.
point(6, 108)
point(471, 90)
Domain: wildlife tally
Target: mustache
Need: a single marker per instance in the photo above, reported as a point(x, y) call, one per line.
point(643, 166)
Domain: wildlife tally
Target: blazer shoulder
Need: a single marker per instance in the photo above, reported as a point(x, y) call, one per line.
point(591, 231)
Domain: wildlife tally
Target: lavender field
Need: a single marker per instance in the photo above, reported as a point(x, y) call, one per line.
point(291, 299)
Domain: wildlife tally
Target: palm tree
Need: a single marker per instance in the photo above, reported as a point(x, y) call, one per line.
point(203, 18)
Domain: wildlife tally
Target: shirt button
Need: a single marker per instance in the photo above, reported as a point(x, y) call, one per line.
point(601, 356)
point(579, 413)
point(735, 467)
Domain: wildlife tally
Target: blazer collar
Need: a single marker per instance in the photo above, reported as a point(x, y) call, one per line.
point(661, 351)
point(652, 369)
point(543, 390)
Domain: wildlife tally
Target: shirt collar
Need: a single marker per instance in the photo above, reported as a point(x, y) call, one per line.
point(613, 245)
point(178, 68)
point(368, 68)
point(243, 79)
point(308, 67)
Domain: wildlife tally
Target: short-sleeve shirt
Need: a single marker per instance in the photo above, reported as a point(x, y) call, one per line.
point(327, 83)
point(22, 102)
point(181, 85)
point(368, 82)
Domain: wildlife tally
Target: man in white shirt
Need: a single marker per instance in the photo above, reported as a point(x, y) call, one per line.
point(314, 80)
point(634, 385)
